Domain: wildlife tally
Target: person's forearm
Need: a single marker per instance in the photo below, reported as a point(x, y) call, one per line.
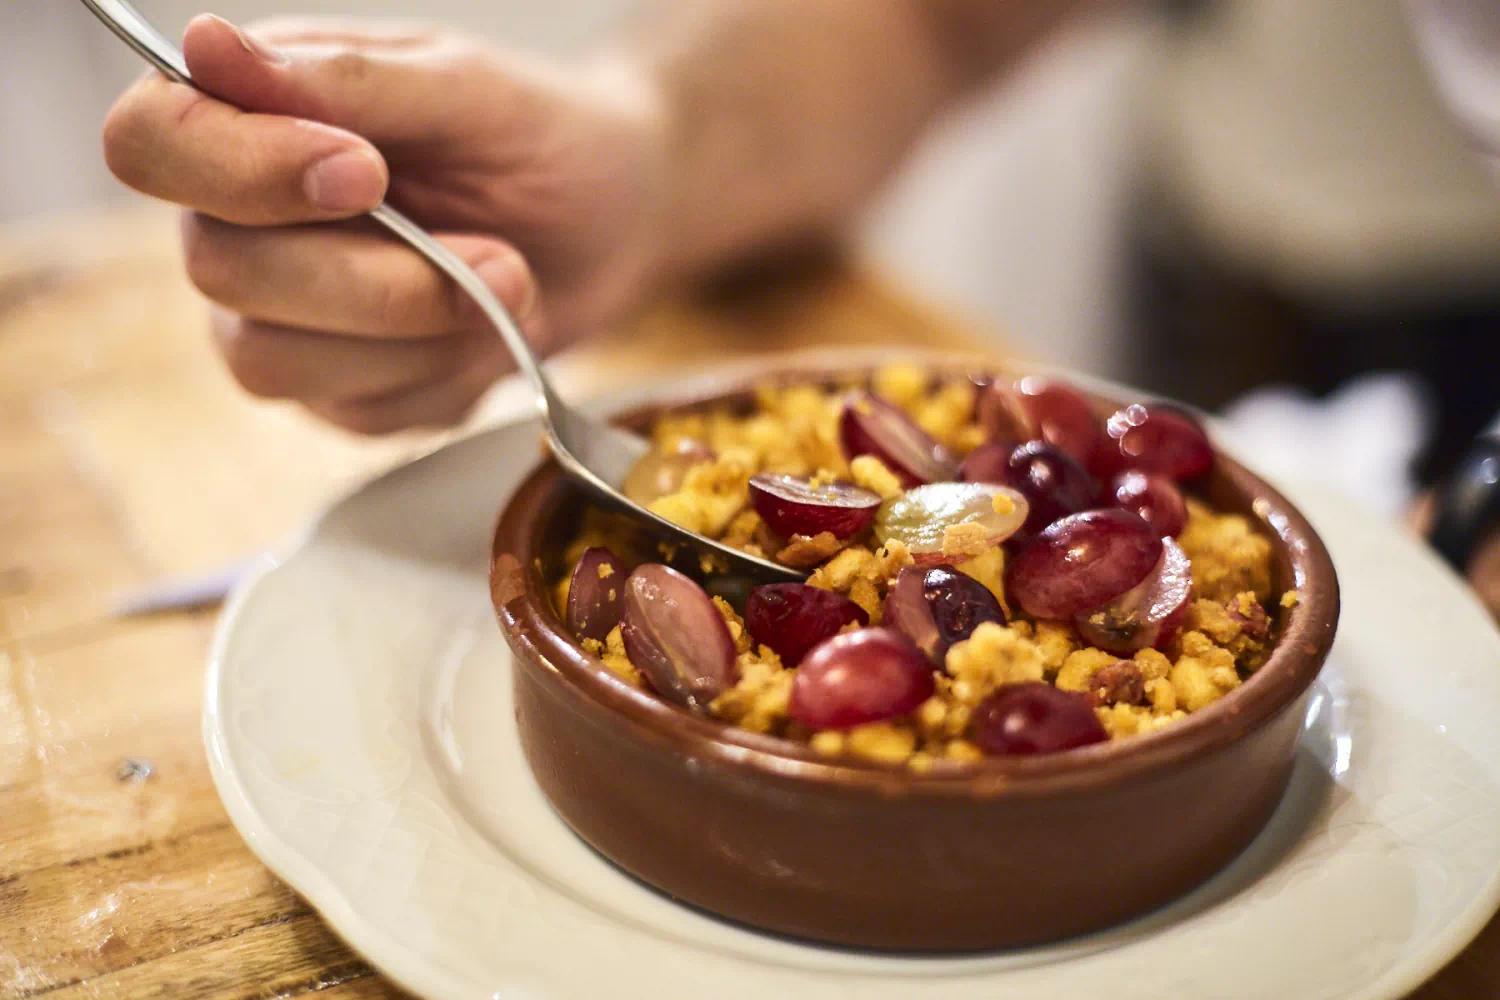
point(786, 115)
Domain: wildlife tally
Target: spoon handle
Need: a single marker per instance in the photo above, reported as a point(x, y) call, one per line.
point(134, 30)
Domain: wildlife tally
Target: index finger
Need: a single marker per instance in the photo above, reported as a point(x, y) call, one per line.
point(169, 141)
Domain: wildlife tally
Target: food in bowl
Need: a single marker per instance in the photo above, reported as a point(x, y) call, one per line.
point(994, 570)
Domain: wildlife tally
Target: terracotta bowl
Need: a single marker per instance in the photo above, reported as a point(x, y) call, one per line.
point(1001, 853)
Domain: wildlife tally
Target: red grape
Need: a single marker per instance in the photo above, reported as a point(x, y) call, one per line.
point(871, 426)
point(959, 603)
point(1162, 440)
point(596, 594)
point(988, 463)
point(1034, 717)
point(792, 618)
point(906, 610)
point(1083, 561)
point(921, 516)
point(936, 607)
point(792, 506)
point(1148, 614)
point(676, 637)
point(1001, 411)
point(1155, 498)
point(1053, 483)
point(660, 473)
point(859, 677)
point(1063, 417)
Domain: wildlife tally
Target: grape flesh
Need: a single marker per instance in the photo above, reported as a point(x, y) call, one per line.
point(676, 637)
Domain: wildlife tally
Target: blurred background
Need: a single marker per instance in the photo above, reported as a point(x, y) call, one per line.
point(1260, 206)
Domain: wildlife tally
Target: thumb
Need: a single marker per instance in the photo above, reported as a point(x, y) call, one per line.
point(384, 87)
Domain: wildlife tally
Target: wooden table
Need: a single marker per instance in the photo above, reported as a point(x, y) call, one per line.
point(128, 455)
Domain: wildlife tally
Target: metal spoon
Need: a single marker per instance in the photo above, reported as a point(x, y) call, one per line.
point(595, 454)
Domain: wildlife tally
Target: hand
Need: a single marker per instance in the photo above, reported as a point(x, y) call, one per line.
point(509, 161)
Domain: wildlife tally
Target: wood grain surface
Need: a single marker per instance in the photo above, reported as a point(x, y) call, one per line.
point(126, 455)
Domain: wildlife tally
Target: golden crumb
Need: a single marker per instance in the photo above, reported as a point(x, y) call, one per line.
point(884, 742)
point(1057, 642)
point(1003, 504)
point(1290, 599)
point(735, 623)
point(1203, 673)
point(962, 750)
point(872, 474)
point(993, 655)
point(1079, 668)
point(988, 567)
point(612, 653)
point(900, 384)
point(829, 743)
point(960, 541)
point(1227, 555)
point(804, 553)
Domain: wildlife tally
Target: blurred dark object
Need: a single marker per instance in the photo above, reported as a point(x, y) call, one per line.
point(1468, 503)
point(1308, 213)
point(1207, 331)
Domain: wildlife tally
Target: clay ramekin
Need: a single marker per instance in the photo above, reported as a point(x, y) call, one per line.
point(1001, 853)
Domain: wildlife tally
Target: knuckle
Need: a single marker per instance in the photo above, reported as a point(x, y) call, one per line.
point(210, 267)
point(251, 361)
point(367, 419)
point(351, 67)
point(404, 307)
point(126, 145)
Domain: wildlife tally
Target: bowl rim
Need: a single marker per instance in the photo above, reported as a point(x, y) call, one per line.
point(522, 601)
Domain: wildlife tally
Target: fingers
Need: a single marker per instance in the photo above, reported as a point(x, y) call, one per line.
point(440, 405)
point(279, 362)
point(365, 364)
point(171, 142)
point(352, 279)
point(399, 85)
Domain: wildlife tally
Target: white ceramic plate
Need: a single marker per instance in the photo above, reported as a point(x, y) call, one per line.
point(359, 727)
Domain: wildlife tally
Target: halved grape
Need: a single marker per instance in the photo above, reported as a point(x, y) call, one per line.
point(1001, 411)
point(1083, 561)
point(596, 594)
point(676, 637)
point(959, 603)
point(792, 618)
point(792, 506)
point(1034, 717)
point(1063, 417)
point(1155, 498)
point(1160, 439)
point(988, 463)
point(936, 607)
point(1052, 481)
point(921, 517)
point(906, 610)
point(1148, 614)
point(660, 473)
point(871, 426)
point(858, 677)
